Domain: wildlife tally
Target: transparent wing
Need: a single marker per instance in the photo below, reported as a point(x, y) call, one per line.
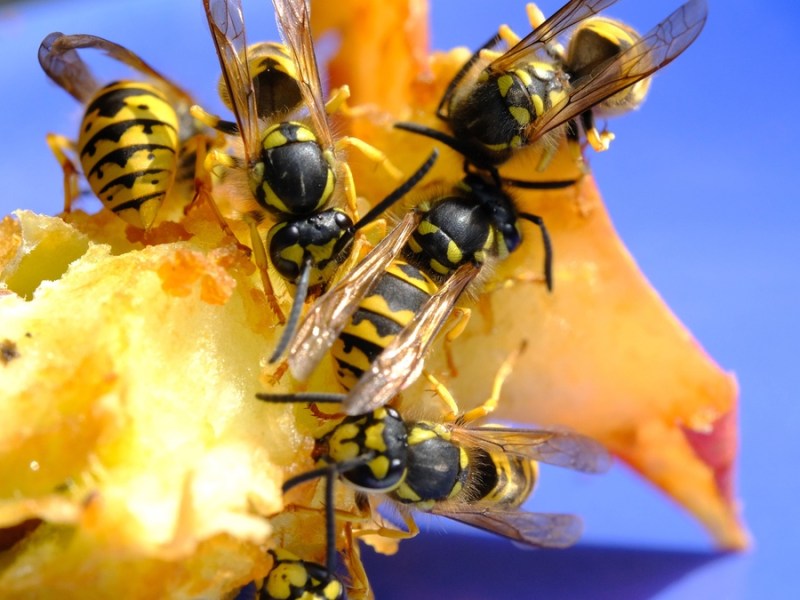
point(652, 52)
point(226, 22)
point(560, 448)
point(567, 16)
point(331, 312)
point(294, 22)
point(401, 362)
point(541, 530)
point(63, 65)
point(65, 46)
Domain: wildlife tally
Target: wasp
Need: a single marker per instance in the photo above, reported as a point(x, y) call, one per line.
point(502, 100)
point(137, 139)
point(380, 319)
point(290, 168)
point(292, 578)
point(476, 474)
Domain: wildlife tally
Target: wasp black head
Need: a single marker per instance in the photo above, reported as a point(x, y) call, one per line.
point(380, 435)
point(317, 235)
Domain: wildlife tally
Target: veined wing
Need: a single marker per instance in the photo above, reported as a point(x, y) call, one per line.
point(567, 16)
point(294, 22)
point(401, 362)
point(540, 530)
point(331, 312)
point(226, 21)
point(652, 52)
point(560, 448)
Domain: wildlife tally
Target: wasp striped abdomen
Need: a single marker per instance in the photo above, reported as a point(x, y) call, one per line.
point(502, 479)
point(128, 148)
point(385, 312)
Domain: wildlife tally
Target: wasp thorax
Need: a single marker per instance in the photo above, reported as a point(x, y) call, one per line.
point(483, 119)
point(320, 237)
point(500, 107)
point(437, 468)
point(453, 232)
point(294, 175)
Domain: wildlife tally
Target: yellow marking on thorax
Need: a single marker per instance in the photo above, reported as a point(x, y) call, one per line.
point(521, 115)
point(504, 83)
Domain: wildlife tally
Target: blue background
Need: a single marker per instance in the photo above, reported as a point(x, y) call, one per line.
point(699, 184)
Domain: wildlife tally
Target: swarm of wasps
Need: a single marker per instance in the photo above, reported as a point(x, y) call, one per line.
point(140, 140)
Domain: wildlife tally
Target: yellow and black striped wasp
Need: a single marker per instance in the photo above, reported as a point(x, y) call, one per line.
point(291, 167)
point(380, 319)
point(137, 141)
point(512, 92)
point(478, 475)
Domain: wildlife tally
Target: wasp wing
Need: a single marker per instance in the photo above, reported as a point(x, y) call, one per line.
point(536, 41)
point(331, 312)
point(560, 448)
point(226, 22)
point(67, 43)
point(652, 52)
point(294, 22)
point(401, 362)
point(540, 530)
point(62, 64)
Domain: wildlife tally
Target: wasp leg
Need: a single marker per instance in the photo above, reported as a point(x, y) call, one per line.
point(460, 318)
point(373, 154)
point(507, 35)
point(412, 529)
point(202, 185)
point(535, 18)
point(350, 191)
point(444, 395)
point(59, 146)
point(500, 377)
point(509, 282)
point(358, 587)
point(260, 258)
point(215, 159)
point(275, 377)
point(362, 245)
point(336, 102)
point(598, 140)
point(213, 121)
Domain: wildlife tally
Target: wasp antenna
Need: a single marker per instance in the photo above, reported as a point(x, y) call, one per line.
point(398, 193)
point(460, 146)
point(306, 398)
point(539, 185)
point(548, 247)
point(328, 471)
point(330, 525)
point(294, 315)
